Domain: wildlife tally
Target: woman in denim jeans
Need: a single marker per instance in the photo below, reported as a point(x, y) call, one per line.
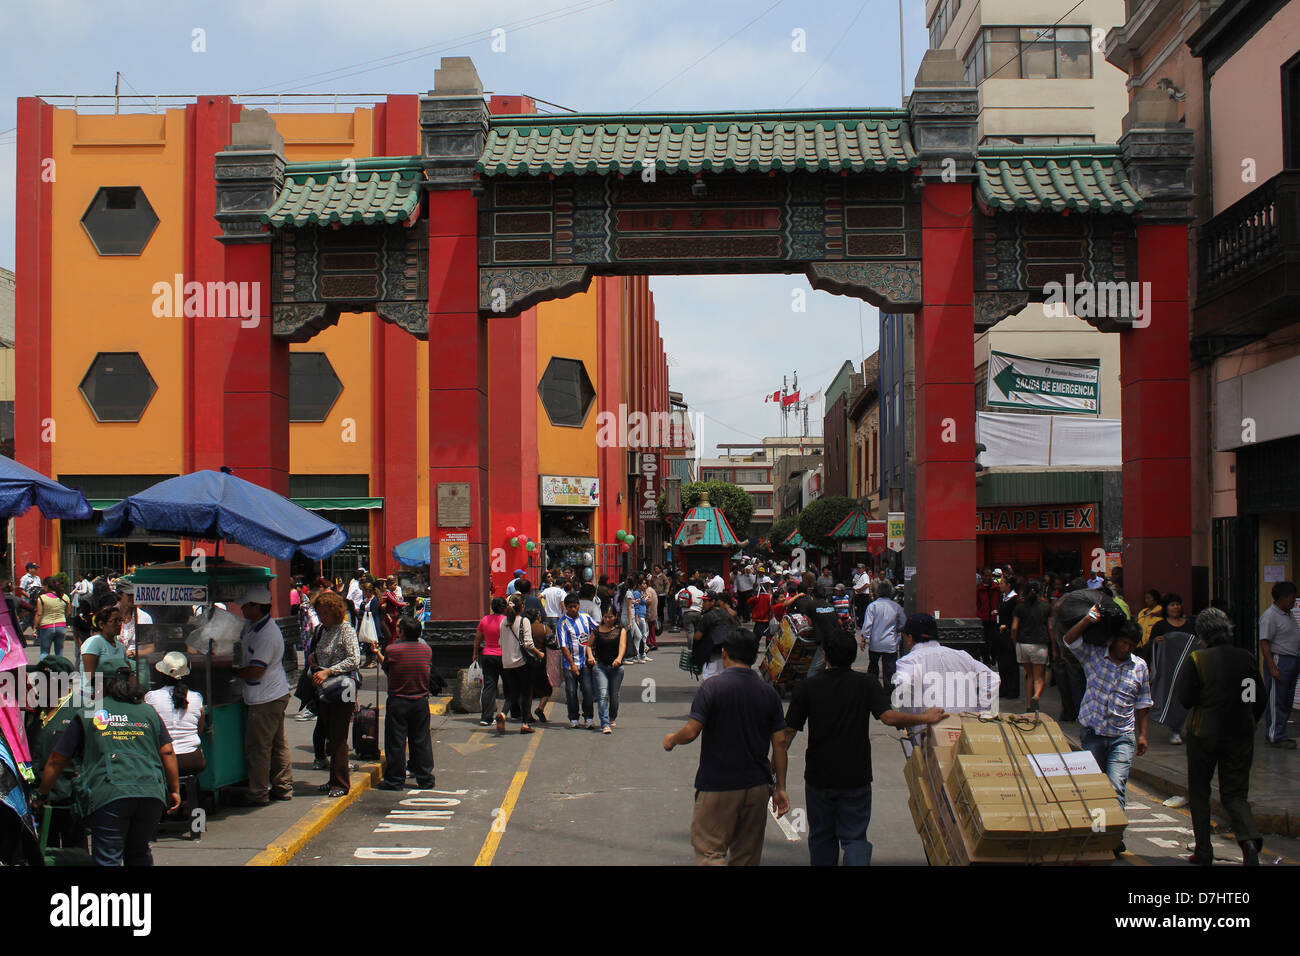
point(609, 644)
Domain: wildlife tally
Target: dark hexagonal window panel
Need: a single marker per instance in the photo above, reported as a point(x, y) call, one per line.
point(566, 391)
point(118, 387)
point(314, 387)
point(119, 220)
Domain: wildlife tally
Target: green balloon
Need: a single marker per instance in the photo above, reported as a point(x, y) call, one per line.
point(531, 546)
point(622, 535)
point(629, 538)
point(514, 542)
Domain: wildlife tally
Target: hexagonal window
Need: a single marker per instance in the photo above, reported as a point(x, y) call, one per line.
point(119, 220)
point(118, 387)
point(566, 391)
point(314, 387)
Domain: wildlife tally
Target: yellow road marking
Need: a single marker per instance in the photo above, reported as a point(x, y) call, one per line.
point(438, 706)
point(502, 818)
point(282, 849)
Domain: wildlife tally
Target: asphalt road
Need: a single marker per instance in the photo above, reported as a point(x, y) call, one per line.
point(564, 796)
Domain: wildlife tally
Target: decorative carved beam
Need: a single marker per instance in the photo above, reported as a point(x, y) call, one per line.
point(892, 286)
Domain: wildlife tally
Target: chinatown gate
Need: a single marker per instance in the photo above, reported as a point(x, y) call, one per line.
point(475, 215)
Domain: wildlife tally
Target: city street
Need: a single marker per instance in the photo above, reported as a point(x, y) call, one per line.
point(566, 796)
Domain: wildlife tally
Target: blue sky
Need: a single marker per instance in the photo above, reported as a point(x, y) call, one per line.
point(588, 55)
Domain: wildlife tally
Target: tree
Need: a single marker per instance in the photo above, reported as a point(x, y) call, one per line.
point(781, 529)
point(732, 500)
point(819, 519)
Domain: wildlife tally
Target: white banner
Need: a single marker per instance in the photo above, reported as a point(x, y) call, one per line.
point(1015, 381)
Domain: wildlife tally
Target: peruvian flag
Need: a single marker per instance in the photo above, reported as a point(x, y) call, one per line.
point(790, 399)
point(774, 397)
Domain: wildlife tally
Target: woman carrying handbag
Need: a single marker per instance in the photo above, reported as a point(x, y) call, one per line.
point(518, 657)
point(336, 657)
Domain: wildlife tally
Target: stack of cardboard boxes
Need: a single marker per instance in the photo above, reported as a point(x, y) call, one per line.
point(1010, 789)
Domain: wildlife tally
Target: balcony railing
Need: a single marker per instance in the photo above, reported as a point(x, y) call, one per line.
point(1248, 269)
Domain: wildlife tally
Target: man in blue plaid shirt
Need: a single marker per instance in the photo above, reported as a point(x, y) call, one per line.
point(1113, 715)
point(574, 636)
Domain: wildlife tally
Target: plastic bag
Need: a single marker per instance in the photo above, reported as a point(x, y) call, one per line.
point(368, 634)
point(474, 676)
point(223, 629)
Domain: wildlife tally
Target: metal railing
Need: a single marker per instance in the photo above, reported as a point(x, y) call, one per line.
point(273, 102)
point(1251, 234)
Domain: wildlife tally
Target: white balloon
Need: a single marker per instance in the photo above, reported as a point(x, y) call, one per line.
point(587, 558)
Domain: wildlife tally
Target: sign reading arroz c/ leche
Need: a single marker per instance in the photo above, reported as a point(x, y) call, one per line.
point(171, 594)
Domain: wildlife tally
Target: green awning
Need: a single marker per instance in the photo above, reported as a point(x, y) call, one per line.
point(367, 191)
point(831, 140)
point(1055, 178)
point(338, 504)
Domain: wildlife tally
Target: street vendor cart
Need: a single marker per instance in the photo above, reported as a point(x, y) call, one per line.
point(196, 612)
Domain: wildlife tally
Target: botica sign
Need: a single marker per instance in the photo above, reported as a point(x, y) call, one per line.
point(649, 486)
point(1077, 519)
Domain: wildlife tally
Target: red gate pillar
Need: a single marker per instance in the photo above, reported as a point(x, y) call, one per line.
point(943, 110)
point(254, 390)
point(945, 405)
point(454, 124)
point(1158, 152)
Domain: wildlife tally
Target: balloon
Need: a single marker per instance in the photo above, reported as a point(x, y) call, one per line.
point(625, 547)
point(587, 559)
point(531, 546)
point(514, 542)
point(629, 538)
point(622, 535)
point(511, 531)
point(524, 538)
point(586, 574)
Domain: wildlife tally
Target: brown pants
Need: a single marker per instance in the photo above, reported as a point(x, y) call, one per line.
point(337, 717)
point(729, 820)
point(265, 750)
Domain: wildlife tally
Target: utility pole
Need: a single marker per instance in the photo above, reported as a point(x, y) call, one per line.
point(902, 82)
point(117, 89)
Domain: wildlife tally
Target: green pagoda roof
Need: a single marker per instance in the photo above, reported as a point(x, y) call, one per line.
point(376, 190)
point(853, 527)
point(717, 530)
point(831, 140)
point(1055, 178)
point(795, 540)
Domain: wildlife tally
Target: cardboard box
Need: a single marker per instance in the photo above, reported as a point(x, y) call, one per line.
point(918, 814)
point(992, 737)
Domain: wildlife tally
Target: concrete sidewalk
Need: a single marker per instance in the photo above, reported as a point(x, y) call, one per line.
point(1274, 775)
point(270, 835)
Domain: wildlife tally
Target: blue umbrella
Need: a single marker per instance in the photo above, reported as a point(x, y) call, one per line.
point(215, 505)
point(413, 553)
point(21, 487)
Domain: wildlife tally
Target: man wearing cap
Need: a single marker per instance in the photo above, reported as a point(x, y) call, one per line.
point(861, 591)
point(931, 675)
point(266, 695)
point(510, 588)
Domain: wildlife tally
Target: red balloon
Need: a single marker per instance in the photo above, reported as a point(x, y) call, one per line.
point(511, 531)
point(524, 538)
point(625, 547)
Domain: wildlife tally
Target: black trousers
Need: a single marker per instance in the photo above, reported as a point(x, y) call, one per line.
point(518, 689)
point(1233, 758)
point(491, 665)
point(406, 724)
point(744, 597)
point(1008, 667)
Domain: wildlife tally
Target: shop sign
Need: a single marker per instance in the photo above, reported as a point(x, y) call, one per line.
point(877, 536)
point(171, 594)
point(1018, 382)
point(1280, 549)
point(453, 554)
point(569, 491)
point(1081, 519)
point(649, 486)
point(894, 530)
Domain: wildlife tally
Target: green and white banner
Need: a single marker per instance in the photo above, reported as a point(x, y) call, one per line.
point(1018, 382)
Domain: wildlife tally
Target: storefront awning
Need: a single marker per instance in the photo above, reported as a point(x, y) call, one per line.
point(338, 504)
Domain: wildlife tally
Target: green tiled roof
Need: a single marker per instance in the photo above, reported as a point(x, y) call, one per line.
point(794, 539)
point(853, 527)
point(369, 191)
point(717, 530)
point(1055, 178)
point(832, 140)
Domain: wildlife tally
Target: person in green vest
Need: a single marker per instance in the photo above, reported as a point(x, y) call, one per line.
point(58, 701)
point(127, 768)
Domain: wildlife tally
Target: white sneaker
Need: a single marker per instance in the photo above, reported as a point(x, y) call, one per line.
point(645, 660)
point(630, 661)
point(573, 725)
point(590, 723)
point(305, 715)
point(1176, 739)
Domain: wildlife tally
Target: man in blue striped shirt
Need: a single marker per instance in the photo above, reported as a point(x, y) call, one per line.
point(574, 636)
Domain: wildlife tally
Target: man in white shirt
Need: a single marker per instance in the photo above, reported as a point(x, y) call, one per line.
point(861, 591)
point(745, 582)
point(931, 675)
point(553, 603)
point(882, 629)
point(266, 695)
point(716, 585)
point(31, 579)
